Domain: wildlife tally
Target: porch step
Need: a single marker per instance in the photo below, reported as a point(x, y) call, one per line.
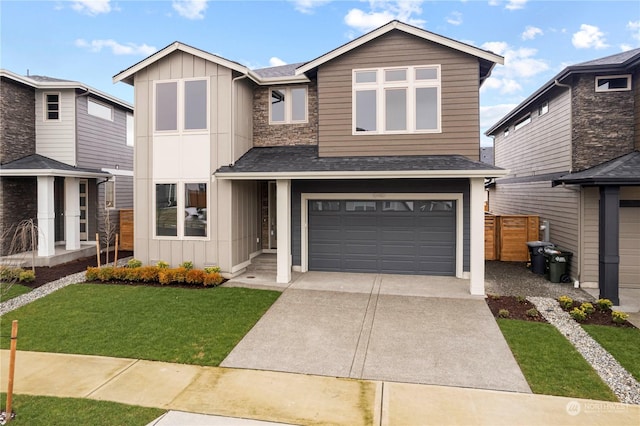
point(263, 263)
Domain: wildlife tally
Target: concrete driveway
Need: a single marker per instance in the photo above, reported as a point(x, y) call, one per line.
point(413, 329)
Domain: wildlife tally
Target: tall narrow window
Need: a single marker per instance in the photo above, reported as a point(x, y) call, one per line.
point(166, 210)
point(195, 104)
point(130, 130)
point(195, 206)
point(52, 106)
point(288, 105)
point(167, 106)
point(110, 193)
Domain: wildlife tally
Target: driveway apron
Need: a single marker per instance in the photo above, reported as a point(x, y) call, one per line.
point(412, 329)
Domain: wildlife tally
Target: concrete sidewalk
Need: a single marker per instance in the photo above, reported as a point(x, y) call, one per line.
point(215, 396)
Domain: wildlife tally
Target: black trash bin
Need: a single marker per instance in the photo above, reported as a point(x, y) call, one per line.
point(557, 261)
point(536, 252)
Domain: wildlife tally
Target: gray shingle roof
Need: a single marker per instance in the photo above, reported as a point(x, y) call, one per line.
point(288, 70)
point(38, 162)
point(617, 59)
point(305, 159)
point(623, 170)
point(45, 79)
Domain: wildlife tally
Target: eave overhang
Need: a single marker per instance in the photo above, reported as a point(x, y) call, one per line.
point(409, 174)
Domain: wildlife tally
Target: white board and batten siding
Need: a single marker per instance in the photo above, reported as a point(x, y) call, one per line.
point(56, 139)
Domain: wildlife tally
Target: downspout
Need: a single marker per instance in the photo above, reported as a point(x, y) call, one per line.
point(233, 117)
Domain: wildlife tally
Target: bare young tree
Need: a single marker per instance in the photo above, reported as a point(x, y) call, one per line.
point(21, 241)
point(109, 230)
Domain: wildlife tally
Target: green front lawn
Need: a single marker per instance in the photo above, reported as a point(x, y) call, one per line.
point(190, 326)
point(622, 343)
point(550, 363)
point(46, 410)
point(9, 291)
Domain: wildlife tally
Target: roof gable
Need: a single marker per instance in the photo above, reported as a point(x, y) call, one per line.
point(409, 29)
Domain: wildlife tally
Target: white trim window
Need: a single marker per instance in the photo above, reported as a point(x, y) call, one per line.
point(191, 198)
point(51, 106)
point(288, 105)
point(181, 106)
point(397, 100)
point(99, 110)
point(110, 193)
point(522, 122)
point(613, 83)
point(543, 108)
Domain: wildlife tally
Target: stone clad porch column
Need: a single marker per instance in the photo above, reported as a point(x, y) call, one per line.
point(72, 213)
point(283, 227)
point(46, 217)
point(476, 209)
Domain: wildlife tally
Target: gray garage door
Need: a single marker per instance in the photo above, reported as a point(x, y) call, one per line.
point(401, 237)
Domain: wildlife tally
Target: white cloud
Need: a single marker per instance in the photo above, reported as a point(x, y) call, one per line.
point(276, 62)
point(626, 47)
point(115, 47)
point(634, 27)
point(91, 7)
point(190, 9)
point(531, 32)
point(455, 18)
point(307, 6)
point(489, 115)
point(383, 11)
point(589, 36)
point(515, 4)
point(519, 64)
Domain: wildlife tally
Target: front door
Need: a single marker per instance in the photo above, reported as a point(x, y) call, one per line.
point(84, 185)
point(273, 231)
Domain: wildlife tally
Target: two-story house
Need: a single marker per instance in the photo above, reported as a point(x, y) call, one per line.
point(66, 158)
point(572, 150)
point(365, 159)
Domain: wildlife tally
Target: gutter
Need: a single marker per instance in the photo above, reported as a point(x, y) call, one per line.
point(431, 174)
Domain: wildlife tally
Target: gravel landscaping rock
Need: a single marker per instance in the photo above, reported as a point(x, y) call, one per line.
point(621, 382)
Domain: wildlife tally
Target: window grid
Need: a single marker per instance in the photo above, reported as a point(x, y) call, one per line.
point(288, 105)
point(52, 106)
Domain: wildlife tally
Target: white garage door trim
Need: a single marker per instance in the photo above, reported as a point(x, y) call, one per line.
point(304, 217)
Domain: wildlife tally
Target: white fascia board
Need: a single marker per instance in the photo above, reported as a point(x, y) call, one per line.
point(279, 80)
point(118, 172)
point(409, 30)
point(127, 75)
point(410, 174)
point(52, 172)
point(19, 78)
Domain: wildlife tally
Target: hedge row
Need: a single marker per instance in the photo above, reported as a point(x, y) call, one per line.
point(154, 274)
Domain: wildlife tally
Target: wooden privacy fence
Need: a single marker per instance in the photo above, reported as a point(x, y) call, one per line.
point(126, 229)
point(506, 236)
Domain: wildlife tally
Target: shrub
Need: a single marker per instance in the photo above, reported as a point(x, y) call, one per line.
point(533, 313)
point(27, 276)
point(565, 302)
point(578, 314)
point(604, 304)
point(9, 274)
point(148, 273)
point(105, 274)
point(195, 276)
point(134, 263)
point(120, 274)
point(165, 276)
point(587, 308)
point(212, 279)
point(503, 313)
point(212, 269)
point(521, 299)
point(619, 317)
point(187, 265)
point(162, 264)
point(133, 274)
point(91, 274)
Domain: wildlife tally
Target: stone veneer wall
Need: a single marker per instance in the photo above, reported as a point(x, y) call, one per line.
point(17, 121)
point(265, 134)
point(18, 139)
point(602, 124)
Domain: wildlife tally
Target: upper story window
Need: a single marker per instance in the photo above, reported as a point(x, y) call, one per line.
point(99, 110)
point(523, 122)
point(506, 132)
point(544, 108)
point(397, 100)
point(130, 130)
point(52, 106)
point(288, 105)
point(181, 105)
point(613, 83)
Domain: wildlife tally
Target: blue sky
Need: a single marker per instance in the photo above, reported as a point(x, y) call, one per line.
point(92, 40)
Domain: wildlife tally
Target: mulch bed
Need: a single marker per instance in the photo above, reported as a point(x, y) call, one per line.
point(47, 274)
point(518, 310)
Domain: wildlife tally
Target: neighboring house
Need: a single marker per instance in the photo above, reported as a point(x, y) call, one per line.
point(486, 154)
point(66, 159)
point(364, 159)
point(572, 151)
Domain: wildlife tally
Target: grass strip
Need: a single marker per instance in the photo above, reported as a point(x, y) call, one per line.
point(47, 410)
point(9, 291)
point(189, 326)
point(622, 343)
point(550, 363)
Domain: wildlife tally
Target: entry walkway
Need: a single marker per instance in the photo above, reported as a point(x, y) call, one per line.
point(226, 396)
